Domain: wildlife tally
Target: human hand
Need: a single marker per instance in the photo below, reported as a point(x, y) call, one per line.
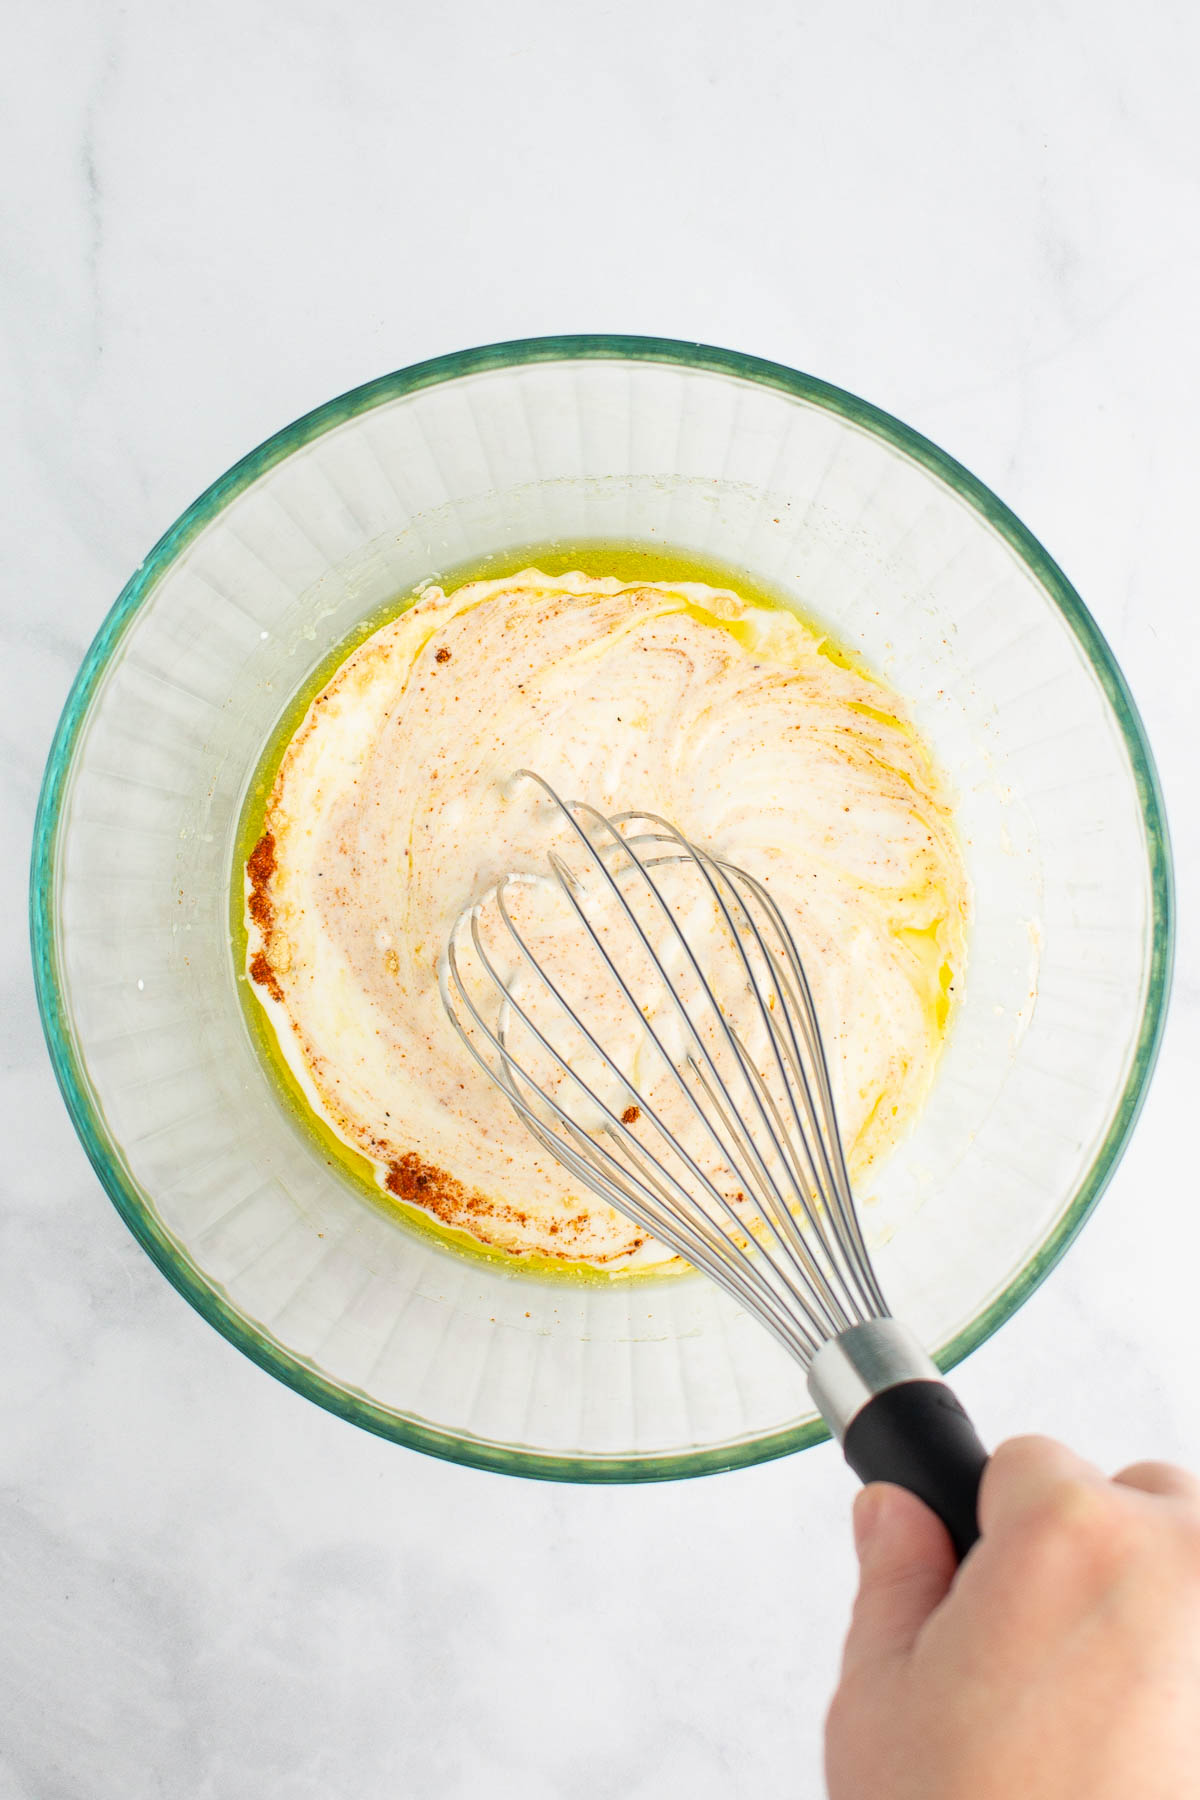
point(1060, 1662)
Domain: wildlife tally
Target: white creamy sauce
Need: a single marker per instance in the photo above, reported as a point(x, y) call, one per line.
point(395, 805)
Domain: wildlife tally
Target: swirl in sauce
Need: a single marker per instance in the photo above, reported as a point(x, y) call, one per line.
point(394, 806)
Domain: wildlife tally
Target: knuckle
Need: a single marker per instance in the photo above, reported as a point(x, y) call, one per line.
point(1069, 1506)
point(1024, 1445)
point(1187, 1533)
point(1075, 1523)
point(1145, 1474)
point(1017, 1453)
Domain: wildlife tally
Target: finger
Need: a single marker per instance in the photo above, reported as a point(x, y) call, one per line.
point(1160, 1478)
point(906, 1565)
point(1023, 1473)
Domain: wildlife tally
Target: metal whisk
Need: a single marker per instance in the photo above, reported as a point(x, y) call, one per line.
point(644, 1008)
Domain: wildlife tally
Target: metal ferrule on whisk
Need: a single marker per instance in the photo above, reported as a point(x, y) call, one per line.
point(850, 1370)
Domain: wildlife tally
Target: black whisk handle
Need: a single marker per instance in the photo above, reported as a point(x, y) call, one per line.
point(917, 1435)
point(884, 1398)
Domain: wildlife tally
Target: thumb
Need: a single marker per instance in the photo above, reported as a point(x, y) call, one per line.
point(906, 1564)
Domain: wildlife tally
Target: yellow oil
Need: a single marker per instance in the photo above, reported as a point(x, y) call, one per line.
point(926, 946)
point(629, 562)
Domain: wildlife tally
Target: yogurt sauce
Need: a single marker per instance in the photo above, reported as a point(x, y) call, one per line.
point(394, 806)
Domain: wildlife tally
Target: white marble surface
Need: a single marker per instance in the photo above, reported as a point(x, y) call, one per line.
point(984, 219)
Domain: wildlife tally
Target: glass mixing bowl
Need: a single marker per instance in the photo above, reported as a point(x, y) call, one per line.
point(871, 529)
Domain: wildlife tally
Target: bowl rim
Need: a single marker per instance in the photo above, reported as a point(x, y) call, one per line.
point(69, 1065)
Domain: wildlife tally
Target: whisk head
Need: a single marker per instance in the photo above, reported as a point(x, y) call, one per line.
point(643, 1006)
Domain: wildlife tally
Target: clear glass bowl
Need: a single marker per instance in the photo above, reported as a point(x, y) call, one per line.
point(871, 529)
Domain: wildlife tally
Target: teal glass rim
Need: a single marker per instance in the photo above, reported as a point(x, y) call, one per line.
point(136, 1207)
